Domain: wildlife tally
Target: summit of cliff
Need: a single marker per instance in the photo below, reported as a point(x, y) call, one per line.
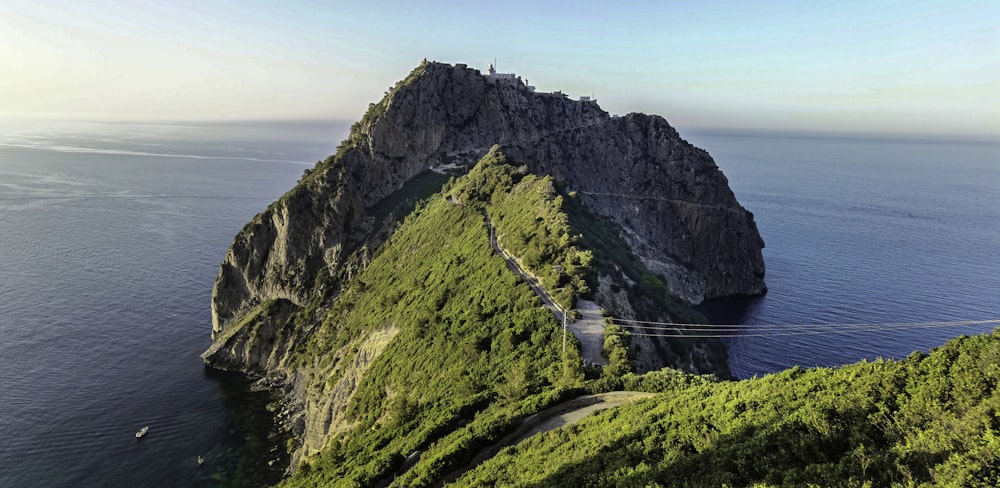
point(673, 204)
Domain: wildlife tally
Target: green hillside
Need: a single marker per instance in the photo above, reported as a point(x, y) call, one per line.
point(468, 337)
point(438, 352)
point(929, 420)
point(462, 348)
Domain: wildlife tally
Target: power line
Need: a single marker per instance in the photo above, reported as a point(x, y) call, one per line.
point(702, 331)
point(642, 328)
point(651, 324)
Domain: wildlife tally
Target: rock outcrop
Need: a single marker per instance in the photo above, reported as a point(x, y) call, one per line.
point(674, 205)
point(669, 197)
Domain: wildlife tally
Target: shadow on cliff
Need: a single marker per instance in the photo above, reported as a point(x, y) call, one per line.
point(731, 311)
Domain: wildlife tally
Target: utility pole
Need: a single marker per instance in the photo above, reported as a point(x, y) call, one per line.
point(564, 333)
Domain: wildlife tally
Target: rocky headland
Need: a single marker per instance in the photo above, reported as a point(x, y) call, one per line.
point(293, 275)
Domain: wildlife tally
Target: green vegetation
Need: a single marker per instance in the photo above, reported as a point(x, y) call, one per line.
point(612, 256)
point(456, 351)
point(471, 342)
point(277, 310)
point(403, 201)
point(927, 420)
point(647, 294)
point(616, 349)
point(453, 452)
point(445, 349)
point(531, 224)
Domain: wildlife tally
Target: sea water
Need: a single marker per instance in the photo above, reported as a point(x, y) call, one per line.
point(111, 236)
point(862, 230)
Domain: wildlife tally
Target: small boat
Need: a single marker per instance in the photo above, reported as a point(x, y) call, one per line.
point(142, 432)
point(201, 460)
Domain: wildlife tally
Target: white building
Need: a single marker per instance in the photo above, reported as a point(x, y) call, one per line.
point(491, 72)
point(507, 78)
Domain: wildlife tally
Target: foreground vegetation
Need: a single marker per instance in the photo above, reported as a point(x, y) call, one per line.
point(927, 420)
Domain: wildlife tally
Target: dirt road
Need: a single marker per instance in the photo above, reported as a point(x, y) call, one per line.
point(566, 413)
point(589, 329)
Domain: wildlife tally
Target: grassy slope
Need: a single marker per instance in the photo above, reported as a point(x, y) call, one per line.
point(558, 240)
point(472, 338)
point(474, 350)
point(925, 420)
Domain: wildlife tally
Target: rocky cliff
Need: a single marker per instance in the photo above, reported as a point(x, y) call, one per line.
point(287, 305)
point(672, 202)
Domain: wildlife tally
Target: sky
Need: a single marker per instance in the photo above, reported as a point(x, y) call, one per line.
point(871, 66)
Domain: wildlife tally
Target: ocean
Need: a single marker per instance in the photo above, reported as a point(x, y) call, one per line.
point(111, 236)
point(861, 230)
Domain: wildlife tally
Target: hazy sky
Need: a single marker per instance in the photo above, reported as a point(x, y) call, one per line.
point(901, 66)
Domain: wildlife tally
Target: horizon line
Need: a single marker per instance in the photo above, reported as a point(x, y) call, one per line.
point(794, 132)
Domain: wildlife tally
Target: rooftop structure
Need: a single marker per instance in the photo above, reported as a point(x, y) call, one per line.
point(508, 78)
point(491, 72)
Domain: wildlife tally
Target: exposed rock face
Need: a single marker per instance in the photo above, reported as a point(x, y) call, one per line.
point(673, 203)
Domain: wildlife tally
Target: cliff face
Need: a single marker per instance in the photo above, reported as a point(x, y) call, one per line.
point(674, 205)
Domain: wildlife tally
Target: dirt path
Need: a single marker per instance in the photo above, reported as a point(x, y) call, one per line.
point(566, 413)
point(589, 329)
point(514, 266)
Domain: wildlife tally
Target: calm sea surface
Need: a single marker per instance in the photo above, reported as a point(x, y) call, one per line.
point(111, 236)
point(862, 230)
point(110, 240)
